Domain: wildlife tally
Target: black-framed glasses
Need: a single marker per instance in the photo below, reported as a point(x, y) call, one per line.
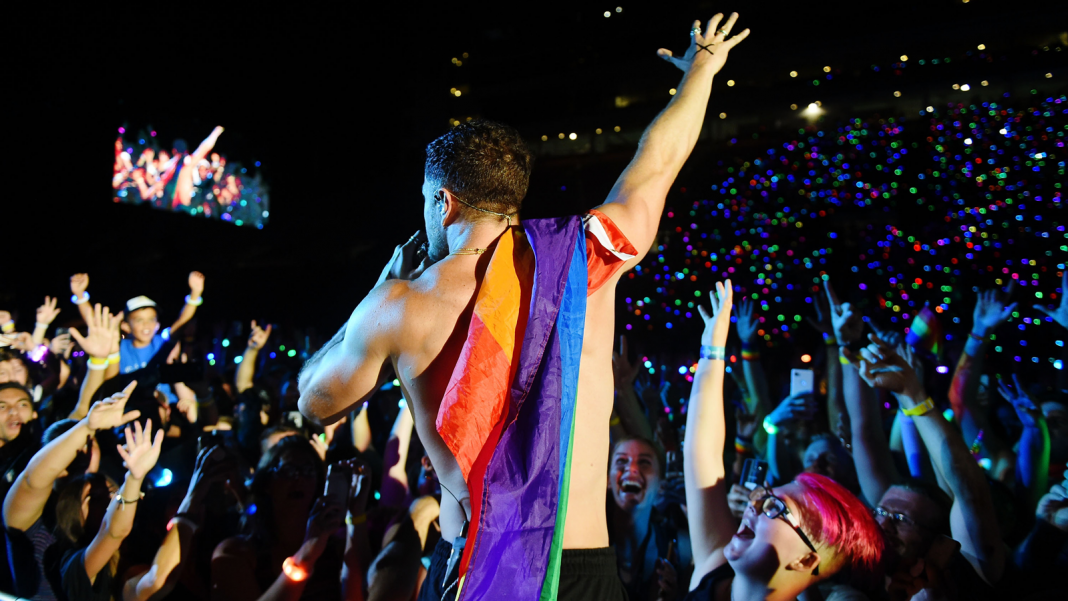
point(773, 507)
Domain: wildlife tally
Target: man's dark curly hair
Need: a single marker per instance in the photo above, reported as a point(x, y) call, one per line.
point(484, 163)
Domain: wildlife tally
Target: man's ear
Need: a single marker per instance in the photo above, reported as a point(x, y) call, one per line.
point(805, 563)
point(450, 208)
point(125, 327)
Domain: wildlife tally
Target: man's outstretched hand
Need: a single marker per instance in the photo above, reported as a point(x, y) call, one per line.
point(709, 47)
point(992, 309)
point(102, 328)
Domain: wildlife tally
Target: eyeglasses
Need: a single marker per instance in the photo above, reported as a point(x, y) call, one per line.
point(894, 517)
point(292, 472)
point(774, 507)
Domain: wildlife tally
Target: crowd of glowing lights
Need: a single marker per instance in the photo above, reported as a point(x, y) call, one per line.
point(901, 212)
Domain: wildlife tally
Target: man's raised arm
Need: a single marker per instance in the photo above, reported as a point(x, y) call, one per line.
point(637, 200)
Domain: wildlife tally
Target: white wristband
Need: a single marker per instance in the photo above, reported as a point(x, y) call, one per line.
point(95, 367)
point(78, 301)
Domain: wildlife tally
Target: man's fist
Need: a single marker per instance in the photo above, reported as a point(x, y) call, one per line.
point(79, 283)
point(196, 284)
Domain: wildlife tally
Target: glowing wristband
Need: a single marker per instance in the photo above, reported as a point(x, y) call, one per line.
point(95, 367)
point(98, 361)
point(715, 353)
point(9, 326)
point(829, 339)
point(770, 428)
point(750, 352)
point(293, 571)
point(196, 303)
point(920, 409)
point(78, 301)
point(113, 358)
point(356, 521)
point(40, 325)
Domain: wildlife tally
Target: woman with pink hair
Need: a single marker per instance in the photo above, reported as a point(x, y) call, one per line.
point(790, 537)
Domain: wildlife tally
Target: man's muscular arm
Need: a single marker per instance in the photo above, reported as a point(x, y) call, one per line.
point(347, 370)
point(637, 199)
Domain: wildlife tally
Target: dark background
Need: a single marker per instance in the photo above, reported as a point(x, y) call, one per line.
point(338, 104)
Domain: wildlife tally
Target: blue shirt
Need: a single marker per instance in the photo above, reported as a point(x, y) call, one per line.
point(132, 358)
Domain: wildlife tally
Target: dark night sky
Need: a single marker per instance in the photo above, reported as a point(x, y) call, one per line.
point(338, 104)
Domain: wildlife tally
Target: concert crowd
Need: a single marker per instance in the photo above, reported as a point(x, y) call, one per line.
point(138, 465)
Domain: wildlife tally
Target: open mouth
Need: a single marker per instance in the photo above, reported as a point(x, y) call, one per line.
point(745, 531)
point(629, 486)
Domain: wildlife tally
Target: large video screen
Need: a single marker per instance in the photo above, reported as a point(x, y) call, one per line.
point(166, 173)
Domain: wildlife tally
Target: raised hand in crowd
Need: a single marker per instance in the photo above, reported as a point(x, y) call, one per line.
point(46, 314)
point(257, 339)
point(25, 501)
point(972, 519)
point(1033, 455)
point(1060, 314)
point(98, 343)
point(756, 384)
point(845, 320)
point(991, 310)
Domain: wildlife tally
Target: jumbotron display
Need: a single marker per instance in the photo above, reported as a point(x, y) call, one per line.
point(164, 174)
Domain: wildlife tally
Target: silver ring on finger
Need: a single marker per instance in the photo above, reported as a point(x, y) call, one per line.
point(722, 31)
point(695, 32)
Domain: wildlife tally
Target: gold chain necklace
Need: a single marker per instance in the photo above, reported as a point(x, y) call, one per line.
point(468, 251)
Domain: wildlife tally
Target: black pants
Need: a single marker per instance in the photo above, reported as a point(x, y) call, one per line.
point(585, 574)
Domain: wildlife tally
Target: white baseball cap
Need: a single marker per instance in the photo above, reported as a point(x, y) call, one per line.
point(139, 302)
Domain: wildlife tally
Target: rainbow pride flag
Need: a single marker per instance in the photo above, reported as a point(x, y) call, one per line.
point(509, 410)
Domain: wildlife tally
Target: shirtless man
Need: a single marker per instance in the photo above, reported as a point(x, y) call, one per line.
point(194, 170)
point(417, 316)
